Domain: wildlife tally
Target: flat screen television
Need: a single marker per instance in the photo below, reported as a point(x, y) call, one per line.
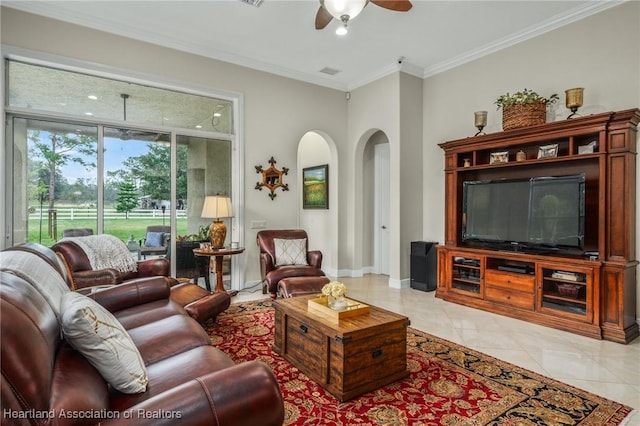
point(537, 214)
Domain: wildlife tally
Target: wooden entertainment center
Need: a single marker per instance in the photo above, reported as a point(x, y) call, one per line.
point(591, 293)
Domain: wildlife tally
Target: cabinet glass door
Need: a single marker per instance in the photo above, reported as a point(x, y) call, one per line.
point(466, 275)
point(566, 292)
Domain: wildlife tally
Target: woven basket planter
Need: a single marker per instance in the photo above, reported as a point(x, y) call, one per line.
point(523, 115)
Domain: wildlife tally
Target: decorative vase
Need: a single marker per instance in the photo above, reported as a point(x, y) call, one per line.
point(337, 303)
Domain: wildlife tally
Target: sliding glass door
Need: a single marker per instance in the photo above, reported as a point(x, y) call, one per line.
point(137, 183)
point(54, 179)
point(90, 154)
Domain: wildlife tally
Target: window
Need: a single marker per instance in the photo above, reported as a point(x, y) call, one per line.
point(54, 179)
point(111, 156)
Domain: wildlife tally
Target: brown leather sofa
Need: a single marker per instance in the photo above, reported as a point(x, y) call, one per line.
point(272, 274)
point(45, 381)
point(201, 304)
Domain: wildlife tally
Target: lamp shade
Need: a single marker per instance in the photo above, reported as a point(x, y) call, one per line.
point(217, 206)
point(338, 8)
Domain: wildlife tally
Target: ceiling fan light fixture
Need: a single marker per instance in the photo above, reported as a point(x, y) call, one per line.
point(343, 30)
point(339, 8)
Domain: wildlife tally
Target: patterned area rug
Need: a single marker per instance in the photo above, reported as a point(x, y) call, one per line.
point(448, 385)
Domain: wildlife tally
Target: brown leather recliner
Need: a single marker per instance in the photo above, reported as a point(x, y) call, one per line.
point(201, 304)
point(272, 274)
point(46, 381)
point(81, 273)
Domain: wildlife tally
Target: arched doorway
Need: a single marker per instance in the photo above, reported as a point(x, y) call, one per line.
point(376, 235)
point(316, 148)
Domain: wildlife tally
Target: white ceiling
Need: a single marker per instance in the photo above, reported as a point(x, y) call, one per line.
point(279, 36)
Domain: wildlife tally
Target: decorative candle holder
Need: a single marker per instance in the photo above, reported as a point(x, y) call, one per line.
point(574, 100)
point(480, 121)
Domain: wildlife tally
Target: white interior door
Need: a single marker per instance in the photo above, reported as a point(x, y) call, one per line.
point(382, 200)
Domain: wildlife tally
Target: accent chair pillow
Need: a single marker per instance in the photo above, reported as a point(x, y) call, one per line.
point(98, 336)
point(154, 239)
point(290, 252)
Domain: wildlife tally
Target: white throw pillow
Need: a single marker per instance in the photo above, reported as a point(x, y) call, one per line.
point(99, 336)
point(290, 252)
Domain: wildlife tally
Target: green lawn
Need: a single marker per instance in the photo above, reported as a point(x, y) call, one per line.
point(121, 228)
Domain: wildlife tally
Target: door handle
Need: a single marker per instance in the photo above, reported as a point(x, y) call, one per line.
point(384, 227)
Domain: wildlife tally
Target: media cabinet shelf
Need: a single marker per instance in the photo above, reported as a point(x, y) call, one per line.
point(466, 273)
point(592, 296)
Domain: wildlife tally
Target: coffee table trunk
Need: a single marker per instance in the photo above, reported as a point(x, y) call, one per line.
point(355, 356)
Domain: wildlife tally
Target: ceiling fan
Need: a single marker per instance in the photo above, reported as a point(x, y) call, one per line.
point(344, 10)
point(127, 134)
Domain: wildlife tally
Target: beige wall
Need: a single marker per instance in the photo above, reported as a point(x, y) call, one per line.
point(411, 182)
point(372, 108)
point(600, 53)
point(320, 224)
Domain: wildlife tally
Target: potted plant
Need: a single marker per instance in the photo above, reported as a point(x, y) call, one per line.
point(524, 108)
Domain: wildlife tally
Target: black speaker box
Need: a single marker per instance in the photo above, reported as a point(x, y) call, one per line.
point(424, 265)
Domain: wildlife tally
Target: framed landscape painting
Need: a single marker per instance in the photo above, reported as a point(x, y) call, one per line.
point(315, 187)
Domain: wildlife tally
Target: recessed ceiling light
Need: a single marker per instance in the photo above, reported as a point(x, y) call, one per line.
point(217, 114)
point(88, 113)
point(198, 127)
point(92, 97)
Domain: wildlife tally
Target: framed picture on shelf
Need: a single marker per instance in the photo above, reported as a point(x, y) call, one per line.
point(315, 187)
point(499, 157)
point(588, 148)
point(548, 151)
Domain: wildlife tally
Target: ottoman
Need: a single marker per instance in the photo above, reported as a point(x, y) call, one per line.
point(298, 286)
point(199, 303)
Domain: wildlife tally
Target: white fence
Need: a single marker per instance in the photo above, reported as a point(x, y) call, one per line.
point(79, 213)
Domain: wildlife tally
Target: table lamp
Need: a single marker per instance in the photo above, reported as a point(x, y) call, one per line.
point(217, 207)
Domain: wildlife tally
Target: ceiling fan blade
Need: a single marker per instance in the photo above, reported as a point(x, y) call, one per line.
point(397, 5)
point(322, 18)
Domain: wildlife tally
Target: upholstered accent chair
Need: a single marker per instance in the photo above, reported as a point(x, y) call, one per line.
point(284, 253)
point(156, 241)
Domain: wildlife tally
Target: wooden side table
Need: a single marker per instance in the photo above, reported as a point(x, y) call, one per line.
point(218, 255)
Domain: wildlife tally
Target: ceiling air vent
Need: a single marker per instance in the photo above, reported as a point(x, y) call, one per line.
point(255, 3)
point(330, 71)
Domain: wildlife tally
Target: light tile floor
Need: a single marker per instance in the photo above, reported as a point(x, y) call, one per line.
point(608, 369)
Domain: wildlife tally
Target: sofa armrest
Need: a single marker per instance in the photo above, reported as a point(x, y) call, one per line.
point(99, 277)
point(152, 267)
point(314, 258)
point(266, 265)
point(246, 394)
point(132, 293)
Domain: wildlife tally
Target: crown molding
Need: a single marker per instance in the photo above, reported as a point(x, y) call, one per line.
point(159, 38)
point(576, 14)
